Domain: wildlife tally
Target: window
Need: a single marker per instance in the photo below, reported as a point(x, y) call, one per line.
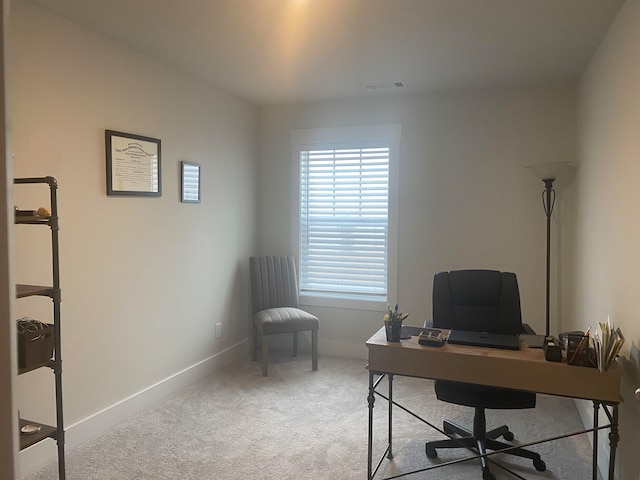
point(346, 234)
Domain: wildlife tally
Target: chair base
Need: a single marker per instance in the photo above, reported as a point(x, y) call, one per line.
point(265, 350)
point(480, 441)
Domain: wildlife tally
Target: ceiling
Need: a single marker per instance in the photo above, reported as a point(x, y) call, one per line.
point(273, 51)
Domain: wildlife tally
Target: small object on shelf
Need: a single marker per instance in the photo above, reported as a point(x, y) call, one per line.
point(35, 342)
point(43, 212)
point(30, 428)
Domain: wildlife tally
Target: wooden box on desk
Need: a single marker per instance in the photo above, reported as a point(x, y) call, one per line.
point(524, 369)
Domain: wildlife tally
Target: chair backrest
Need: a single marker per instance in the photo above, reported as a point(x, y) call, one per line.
point(274, 282)
point(477, 300)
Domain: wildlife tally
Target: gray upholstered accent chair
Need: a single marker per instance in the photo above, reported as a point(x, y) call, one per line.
point(274, 302)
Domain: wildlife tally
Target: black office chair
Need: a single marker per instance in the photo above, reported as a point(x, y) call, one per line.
point(479, 300)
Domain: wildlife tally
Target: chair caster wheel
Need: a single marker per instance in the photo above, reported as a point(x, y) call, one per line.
point(540, 465)
point(430, 451)
point(487, 475)
point(508, 436)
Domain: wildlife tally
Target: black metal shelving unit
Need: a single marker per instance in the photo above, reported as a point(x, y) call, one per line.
point(53, 292)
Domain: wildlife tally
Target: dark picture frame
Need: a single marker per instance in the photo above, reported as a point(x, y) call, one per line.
point(134, 164)
point(190, 176)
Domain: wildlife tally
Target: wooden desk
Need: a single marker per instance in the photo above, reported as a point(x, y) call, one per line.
point(524, 369)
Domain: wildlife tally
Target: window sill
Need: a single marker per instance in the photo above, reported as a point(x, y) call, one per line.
point(342, 303)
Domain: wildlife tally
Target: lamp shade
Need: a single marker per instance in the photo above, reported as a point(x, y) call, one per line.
point(548, 171)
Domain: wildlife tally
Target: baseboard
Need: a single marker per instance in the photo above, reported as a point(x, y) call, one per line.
point(332, 348)
point(337, 348)
point(37, 456)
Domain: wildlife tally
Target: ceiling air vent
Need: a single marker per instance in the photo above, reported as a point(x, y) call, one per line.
point(385, 85)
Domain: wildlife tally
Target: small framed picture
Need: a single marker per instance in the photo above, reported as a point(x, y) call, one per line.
point(133, 165)
point(190, 182)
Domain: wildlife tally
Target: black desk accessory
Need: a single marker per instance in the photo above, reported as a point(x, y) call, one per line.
point(431, 337)
point(552, 350)
point(532, 340)
point(484, 339)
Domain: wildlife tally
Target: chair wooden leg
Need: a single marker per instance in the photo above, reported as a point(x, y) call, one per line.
point(314, 349)
point(265, 354)
point(295, 344)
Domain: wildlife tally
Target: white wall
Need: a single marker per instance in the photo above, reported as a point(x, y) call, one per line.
point(144, 280)
point(605, 276)
point(466, 198)
point(139, 305)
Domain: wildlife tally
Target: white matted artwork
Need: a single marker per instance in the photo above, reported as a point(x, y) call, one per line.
point(133, 165)
point(190, 182)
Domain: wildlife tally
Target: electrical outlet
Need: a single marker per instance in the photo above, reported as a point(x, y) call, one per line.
point(218, 330)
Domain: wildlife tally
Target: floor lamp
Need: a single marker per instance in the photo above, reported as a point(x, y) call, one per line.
point(548, 173)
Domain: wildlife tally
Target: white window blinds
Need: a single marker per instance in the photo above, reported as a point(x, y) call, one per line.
point(344, 221)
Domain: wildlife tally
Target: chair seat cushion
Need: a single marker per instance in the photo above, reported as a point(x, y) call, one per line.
point(479, 396)
point(284, 320)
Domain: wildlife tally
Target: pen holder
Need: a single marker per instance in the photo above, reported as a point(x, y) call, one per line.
point(579, 351)
point(393, 331)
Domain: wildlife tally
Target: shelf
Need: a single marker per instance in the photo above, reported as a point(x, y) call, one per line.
point(28, 439)
point(35, 366)
point(23, 291)
point(32, 220)
point(42, 348)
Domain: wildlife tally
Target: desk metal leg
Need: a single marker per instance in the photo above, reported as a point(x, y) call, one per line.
point(594, 455)
point(614, 436)
point(613, 441)
point(373, 383)
point(371, 400)
point(611, 410)
point(390, 452)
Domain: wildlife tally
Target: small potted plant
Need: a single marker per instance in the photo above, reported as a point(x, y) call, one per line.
point(393, 323)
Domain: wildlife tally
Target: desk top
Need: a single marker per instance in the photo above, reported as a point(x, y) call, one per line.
point(524, 369)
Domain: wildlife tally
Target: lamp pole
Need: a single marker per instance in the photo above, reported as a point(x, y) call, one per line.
point(548, 201)
point(549, 173)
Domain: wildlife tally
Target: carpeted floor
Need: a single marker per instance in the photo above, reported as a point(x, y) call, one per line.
point(299, 424)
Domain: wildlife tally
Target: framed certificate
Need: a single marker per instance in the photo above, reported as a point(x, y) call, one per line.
point(190, 182)
point(133, 165)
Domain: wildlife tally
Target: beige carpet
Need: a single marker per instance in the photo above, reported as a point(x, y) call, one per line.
point(299, 424)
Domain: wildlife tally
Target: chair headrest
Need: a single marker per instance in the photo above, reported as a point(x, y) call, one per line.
point(475, 287)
